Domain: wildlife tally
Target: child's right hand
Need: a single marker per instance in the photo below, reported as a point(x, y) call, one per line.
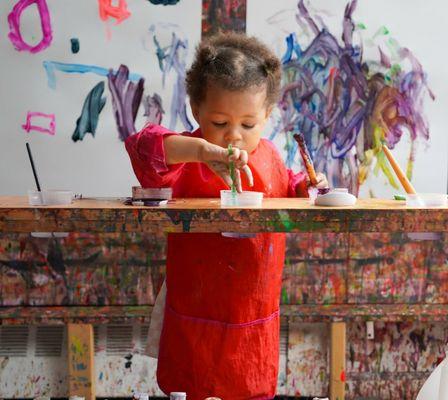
point(217, 158)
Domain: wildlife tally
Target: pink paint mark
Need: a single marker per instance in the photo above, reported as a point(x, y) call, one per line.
point(14, 26)
point(119, 12)
point(51, 128)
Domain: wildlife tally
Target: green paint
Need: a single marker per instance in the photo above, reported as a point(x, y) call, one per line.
point(361, 26)
point(232, 172)
point(76, 345)
point(399, 197)
point(285, 299)
point(286, 224)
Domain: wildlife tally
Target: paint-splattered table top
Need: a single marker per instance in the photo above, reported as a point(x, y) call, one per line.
point(206, 215)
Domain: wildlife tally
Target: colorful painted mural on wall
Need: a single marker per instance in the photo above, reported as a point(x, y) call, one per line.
point(345, 105)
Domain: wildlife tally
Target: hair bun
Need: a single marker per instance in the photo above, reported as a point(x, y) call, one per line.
point(271, 65)
point(208, 54)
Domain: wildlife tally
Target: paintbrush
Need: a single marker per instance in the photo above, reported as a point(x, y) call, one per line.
point(36, 179)
point(308, 163)
point(306, 157)
point(232, 172)
point(407, 185)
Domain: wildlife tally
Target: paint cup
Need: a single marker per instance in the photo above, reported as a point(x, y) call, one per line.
point(35, 198)
point(50, 197)
point(427, 200)
point(178, 396)
point(244, 199)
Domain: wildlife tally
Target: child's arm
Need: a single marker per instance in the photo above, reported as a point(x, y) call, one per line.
point(147, 154)
point(159, 155)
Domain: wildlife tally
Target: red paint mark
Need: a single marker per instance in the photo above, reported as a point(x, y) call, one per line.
point(342, 376)
point(51, 129)
point(14, 26)
point(119, 12)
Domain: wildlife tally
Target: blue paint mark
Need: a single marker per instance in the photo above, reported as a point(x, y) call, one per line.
point(75, 45)
point(51, 66)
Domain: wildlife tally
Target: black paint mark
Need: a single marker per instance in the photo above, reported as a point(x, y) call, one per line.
point(75, 45)
point(164, 2)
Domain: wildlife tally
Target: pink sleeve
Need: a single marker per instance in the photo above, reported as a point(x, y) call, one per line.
point(298, 184)
point(147, 155)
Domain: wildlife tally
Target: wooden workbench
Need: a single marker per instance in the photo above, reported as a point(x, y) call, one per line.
point(206, 215)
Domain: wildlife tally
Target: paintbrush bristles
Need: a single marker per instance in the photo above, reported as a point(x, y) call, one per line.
point(407, 185)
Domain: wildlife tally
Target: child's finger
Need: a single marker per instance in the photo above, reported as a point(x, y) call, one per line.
point(321, 181)
point(227, 179)
point(235, 154)
point(238, 185)
point(243, 159)
point(249, 175)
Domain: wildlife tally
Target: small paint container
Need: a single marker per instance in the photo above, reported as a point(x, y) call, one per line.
point(139, 193)
point(178, 396)
point(244, 199)
point(427, 200)
point(50, 197)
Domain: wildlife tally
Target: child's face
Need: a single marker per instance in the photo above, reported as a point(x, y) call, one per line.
point(232, 117)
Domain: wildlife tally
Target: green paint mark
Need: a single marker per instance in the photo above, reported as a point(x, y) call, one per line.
point(361, 26)
point(285, 299)
point(77, 345)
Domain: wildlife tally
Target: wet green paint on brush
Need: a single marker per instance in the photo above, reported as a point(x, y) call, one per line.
point(232, 171)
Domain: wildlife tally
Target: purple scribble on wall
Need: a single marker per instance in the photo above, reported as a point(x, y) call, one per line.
point(153, 109)
point(88, 121)
point(346, 106)
point(173, 57)
point(126, 97)
point(14, 26)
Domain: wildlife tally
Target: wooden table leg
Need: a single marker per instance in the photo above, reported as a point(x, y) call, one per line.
point(337, 361)
point(81, 371)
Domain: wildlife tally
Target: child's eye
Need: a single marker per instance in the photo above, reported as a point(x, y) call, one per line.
point(245, 126)
point(219, 124)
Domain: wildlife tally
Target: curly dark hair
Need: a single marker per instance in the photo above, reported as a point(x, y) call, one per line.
point(234, 62)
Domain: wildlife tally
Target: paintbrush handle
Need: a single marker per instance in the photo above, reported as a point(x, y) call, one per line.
point(33, 167)
point(306, 158)
point(407, 185)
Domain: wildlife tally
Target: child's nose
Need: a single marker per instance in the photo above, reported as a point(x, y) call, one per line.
point(232, 135)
